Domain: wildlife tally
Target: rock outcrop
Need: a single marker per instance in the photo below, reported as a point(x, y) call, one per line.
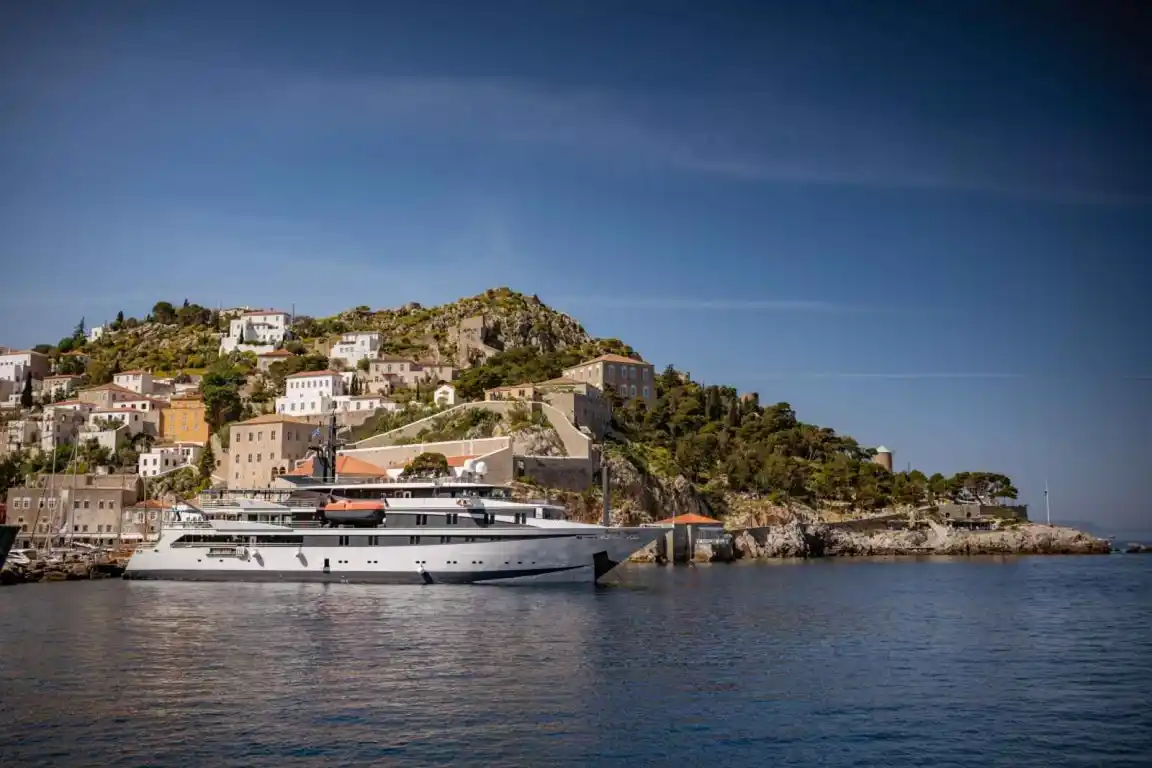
point(796, 539)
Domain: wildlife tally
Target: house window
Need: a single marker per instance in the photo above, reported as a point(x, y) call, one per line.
point(645, 392)
point(258, 457)
point(86, 502)
point(249, 458)
point(100, 504)
point(273, 434)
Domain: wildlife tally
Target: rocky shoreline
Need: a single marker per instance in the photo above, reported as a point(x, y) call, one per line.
point(809, 540)
point(75, 571)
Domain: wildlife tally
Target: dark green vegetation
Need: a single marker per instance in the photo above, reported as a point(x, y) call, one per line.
point(427, 464)
point(723, 443)
point(524, 364)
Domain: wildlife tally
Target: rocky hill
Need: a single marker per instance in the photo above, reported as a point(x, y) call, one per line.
point(465, 332)
point(698, 449)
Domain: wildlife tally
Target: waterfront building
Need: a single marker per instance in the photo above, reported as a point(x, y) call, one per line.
point(266, 447)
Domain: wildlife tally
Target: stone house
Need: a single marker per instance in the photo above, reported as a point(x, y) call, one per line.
point(628, 377)
point(265, 447)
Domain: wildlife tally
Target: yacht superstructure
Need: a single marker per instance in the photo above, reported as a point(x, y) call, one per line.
point(446, 530)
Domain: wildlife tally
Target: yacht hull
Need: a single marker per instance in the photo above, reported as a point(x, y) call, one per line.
point(582, 557)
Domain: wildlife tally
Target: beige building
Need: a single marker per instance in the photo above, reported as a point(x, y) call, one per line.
point(105, 395)
point(389, 373)
point(265, 447)
point(86, 509)
point(581, 403)
point(265, 360)
point(59, 385)
point(628, 377)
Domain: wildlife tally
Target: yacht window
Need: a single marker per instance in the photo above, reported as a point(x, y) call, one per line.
point(421, 519)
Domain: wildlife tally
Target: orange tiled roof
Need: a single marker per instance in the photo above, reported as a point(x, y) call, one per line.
point(561, 380)
point(110, 388)
point(313, 373)
point(689, 519)
point(345, 465)
point(273, 418)
point(612, 359)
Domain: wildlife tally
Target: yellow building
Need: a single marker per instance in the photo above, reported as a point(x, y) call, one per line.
point(186, 421)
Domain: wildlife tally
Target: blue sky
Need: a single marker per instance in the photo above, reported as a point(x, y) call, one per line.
point(924, 224)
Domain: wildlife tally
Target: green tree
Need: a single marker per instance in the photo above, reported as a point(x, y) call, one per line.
point(427, 464)
point(164, 313)
point(206, 465)
point(118, 323)
point(80, 332)
point(220, 388)
point(281, 370)
point(26, 398)
point(11, 471)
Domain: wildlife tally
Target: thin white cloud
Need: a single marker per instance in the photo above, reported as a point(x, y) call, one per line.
point(797, 144)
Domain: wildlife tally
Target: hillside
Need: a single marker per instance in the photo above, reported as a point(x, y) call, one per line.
point(174, 339)
point(704, 449)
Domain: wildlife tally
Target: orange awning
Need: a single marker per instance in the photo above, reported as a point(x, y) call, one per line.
point(690, 519)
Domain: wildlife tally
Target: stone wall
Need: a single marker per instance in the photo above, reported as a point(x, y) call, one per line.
point(569, 474)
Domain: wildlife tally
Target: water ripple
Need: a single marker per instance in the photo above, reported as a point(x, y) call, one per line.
point(998, 661)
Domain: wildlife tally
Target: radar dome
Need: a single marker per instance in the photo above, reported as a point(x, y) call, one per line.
point(481, 468)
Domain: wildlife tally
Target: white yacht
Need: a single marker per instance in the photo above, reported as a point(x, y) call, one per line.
point(449, 530)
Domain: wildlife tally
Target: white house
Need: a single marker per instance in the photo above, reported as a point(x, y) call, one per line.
point(60, 425)
point(445, 395)
point(116, 417)
point(168, 458)
point(257, 332)
point(363, 403)
point(354, 347)
point(138, 381)
point(14, 366)
point(96, 332)
point(310, 393)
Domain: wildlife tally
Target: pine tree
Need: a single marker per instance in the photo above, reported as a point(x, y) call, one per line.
point(26, 395)
point(207, 464)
